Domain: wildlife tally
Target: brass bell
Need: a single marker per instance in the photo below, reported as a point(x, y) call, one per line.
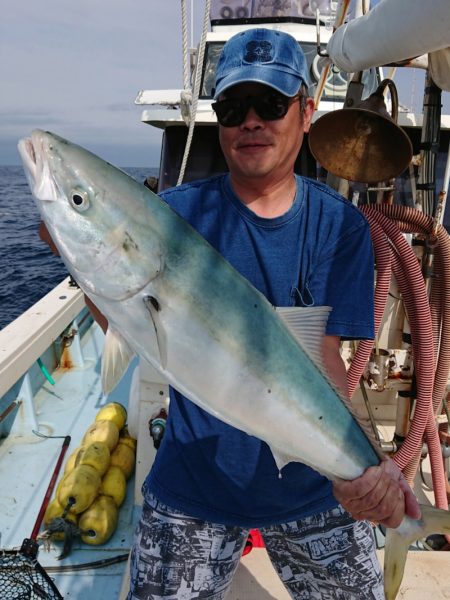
point(362, 141)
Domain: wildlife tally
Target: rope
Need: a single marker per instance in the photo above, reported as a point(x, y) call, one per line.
point(185, 44)
point(198, 75)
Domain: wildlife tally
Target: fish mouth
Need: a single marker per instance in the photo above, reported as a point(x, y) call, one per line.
point(34, 153)
point(28, 156)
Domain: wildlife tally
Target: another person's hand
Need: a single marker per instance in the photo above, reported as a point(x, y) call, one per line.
point(381, 495)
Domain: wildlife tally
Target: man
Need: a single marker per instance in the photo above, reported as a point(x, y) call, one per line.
point(299, 243)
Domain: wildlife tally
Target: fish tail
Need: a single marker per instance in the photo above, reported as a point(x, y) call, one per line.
point(433, 520)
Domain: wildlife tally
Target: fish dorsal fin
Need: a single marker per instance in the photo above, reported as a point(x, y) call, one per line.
point(117, 355)
point(307, 325)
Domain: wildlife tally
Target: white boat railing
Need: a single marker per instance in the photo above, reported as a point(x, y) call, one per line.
point(24, 340)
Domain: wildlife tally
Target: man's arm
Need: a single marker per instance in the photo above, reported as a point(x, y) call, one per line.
point(98, 316)
point(381, 494)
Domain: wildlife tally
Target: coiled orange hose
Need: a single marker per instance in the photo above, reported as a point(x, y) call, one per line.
point(430, 326)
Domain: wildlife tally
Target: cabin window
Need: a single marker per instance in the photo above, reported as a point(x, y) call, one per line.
point(205, 157)
point(241, 10)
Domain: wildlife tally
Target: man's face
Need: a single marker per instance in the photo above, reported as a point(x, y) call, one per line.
point(259, 148)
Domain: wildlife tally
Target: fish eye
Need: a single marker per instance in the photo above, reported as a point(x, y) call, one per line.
point(79, 200)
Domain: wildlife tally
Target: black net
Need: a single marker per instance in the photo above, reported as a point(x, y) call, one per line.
point(23, 578)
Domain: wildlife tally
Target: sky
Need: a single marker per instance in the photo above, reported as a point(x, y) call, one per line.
point(76, 67)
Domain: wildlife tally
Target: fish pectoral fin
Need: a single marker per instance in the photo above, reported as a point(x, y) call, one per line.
point(307, 324)
point(433, 520)
point(117, 355)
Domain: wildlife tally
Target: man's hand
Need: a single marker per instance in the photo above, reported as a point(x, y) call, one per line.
point(381, 495)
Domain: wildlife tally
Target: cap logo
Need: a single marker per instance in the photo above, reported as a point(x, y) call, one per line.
point(260, 51)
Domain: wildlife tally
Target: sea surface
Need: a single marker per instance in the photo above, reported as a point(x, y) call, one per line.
point(28, 269)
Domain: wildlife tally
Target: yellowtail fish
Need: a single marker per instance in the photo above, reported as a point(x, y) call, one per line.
point(176, 302)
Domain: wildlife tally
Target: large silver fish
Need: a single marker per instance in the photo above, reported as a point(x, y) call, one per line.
point(172, 299)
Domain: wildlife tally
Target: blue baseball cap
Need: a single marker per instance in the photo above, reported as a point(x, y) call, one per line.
point(266, 56)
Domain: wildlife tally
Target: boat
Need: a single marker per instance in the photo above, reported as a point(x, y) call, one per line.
point(50, 384)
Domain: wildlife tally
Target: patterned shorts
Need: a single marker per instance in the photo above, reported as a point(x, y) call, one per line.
point(324, 557)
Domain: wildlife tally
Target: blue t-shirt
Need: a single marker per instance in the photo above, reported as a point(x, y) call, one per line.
point(318, 253)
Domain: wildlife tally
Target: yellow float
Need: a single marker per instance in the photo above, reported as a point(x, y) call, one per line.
point(99, 521)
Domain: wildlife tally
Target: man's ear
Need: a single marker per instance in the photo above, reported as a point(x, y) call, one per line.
point(308, 112)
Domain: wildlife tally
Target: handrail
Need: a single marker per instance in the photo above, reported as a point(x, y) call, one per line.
point(24, 340)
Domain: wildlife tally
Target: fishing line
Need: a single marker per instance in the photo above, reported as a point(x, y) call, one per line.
point(97, 564)
point(47, 437)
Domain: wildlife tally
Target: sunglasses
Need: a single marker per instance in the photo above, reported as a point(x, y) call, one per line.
point(231, 112)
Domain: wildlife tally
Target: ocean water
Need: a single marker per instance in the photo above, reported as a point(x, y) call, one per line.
point(28, 269)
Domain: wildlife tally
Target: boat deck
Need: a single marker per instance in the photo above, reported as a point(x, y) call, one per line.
point(255, 579)
point(425, 578)
point(27, 463)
